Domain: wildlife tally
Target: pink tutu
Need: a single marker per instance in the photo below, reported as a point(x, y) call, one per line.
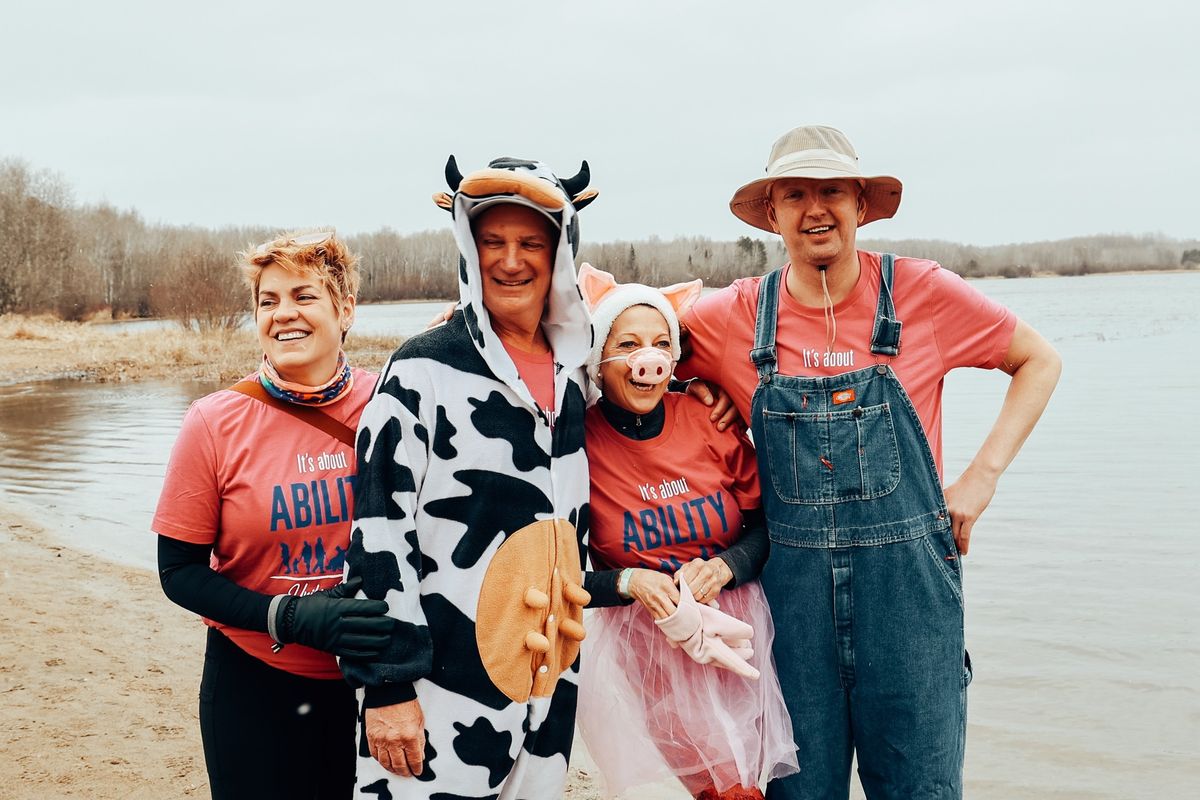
point(648, 712)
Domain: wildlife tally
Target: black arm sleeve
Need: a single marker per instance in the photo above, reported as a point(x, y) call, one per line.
point(746, 556)
point(189, 581)
point(745, 559)
point(601, 584)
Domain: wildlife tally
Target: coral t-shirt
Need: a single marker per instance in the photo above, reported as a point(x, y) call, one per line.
point(661, 502)
point(273, 496)
point(947, 323)
point(537, 373)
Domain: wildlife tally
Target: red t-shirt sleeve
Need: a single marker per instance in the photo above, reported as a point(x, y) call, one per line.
point(705, 320)
point(970, 328)
point(189, 508)
point(742, 466)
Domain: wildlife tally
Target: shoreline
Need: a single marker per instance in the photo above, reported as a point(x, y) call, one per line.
point(100, 677)
point(42, 348)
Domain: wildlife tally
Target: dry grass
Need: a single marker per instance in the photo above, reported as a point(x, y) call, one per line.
point(39, 348)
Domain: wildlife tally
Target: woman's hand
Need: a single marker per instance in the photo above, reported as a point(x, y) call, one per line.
point(654, 590)
point(442, 316)
point(706, 577)
point(396, 737)
point(334, 621)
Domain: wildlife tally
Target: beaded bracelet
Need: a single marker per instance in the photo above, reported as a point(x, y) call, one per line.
point(623, 583)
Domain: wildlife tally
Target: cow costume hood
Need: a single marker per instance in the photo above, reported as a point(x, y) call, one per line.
point(530, 183)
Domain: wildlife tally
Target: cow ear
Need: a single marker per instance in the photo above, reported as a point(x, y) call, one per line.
point(443, 200)
point(594, 284)
point(682, 296)
point(581, 200)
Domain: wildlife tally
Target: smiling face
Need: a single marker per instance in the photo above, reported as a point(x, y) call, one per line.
point(817, 218)
point(636, 327)
point(516, 256)
point(299, 326)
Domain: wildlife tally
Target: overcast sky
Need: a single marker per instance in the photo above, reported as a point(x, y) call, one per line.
point(1007, 121)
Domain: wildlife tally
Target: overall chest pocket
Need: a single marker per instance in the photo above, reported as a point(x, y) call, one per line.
point(832, 456)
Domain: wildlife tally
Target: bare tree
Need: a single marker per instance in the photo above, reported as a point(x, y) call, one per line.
point(36, 240)
point(198, 284)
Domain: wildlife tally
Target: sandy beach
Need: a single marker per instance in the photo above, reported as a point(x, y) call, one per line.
point(99, 678)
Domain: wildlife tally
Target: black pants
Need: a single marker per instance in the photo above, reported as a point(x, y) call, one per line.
point(271, 734)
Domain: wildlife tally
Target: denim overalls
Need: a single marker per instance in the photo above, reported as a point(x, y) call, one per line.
point(863, 579)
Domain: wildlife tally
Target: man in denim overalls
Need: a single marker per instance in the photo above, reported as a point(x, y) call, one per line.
point(837, 359)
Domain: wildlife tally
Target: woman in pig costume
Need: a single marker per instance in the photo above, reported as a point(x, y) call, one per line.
point(677, 683)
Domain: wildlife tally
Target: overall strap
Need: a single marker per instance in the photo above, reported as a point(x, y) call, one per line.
point(318, 419)
point(763, 352)
point(885, 337)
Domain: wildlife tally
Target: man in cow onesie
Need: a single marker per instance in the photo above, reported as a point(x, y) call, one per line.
point(471, 506)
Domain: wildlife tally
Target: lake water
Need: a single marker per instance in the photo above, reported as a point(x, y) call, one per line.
point(374, 319)
point(1082, 583)
point(90, 457)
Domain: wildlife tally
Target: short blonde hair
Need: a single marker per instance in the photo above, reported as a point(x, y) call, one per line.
point(305, 252)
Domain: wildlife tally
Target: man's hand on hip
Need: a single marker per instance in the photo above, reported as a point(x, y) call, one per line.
point(966, 500)
point(1034, 366)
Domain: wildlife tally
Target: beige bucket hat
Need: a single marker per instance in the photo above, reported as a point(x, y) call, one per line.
point(814, 151)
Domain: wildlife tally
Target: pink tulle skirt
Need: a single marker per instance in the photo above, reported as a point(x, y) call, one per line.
point(648, 712)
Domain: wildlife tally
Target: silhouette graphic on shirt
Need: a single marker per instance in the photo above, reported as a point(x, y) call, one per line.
point(313, 555)
point(306, 553)
point(338, 561)
point(319, 555)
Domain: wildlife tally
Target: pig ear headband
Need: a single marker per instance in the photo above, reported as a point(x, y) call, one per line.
point(607, 299)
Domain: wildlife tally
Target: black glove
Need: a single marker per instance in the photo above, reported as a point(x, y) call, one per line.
point(334, 622)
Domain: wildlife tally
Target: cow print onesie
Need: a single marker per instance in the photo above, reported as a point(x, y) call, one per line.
point(470, 520)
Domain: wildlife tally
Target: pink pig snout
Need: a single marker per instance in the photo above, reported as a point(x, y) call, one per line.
point(649, 365)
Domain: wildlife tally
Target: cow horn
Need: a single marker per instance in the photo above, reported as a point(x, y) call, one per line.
point(579, 182)
point(453, 175)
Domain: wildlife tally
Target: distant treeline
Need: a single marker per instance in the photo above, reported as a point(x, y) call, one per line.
point(1079, 256)
point(74, 261)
